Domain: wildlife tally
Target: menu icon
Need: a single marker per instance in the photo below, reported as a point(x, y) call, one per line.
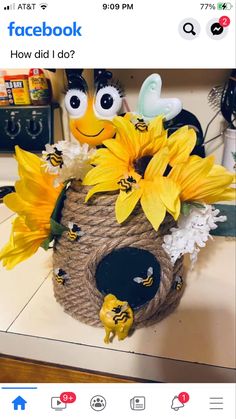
point(216, 403)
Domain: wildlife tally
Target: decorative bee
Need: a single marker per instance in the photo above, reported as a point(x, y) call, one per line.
point(55, 158)
point(92, 108)
point(141, 125)
point(116, 316)
point(61, 276)
point(178, 284)
point(74, 232)
point(148, 281)
point(126, 184)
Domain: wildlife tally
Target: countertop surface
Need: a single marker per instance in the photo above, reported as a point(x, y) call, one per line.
point(196, 343)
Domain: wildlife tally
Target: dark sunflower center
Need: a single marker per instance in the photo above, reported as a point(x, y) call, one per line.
point(141, 164)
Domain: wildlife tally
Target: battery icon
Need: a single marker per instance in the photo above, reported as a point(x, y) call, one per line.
point(224, 6)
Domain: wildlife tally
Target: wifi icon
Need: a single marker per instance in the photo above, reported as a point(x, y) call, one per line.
point(43, 5)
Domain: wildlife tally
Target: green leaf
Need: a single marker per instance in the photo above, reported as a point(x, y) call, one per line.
point(197, 205)
point(46, 243)
point(185, 208)
point(56, 228)
point(56, 214)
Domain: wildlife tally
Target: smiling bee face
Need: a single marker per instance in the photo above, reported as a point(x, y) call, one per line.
point(90, 113)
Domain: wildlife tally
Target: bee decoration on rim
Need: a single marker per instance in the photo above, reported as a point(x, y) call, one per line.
point(61, 276)
point(55, 158)
point(92, 108)
point(178, 283)
point(116, 317)
point(74, 232)
point(126, 184)
point(141, 125)
point(148, 281)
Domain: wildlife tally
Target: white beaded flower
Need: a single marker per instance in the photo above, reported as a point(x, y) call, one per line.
point(68, 160)
point(192, 232)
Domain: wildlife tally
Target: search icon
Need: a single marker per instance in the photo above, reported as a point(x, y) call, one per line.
point(189, 28)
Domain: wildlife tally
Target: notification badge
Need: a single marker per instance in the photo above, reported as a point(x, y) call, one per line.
point(68, 397)
point(179, 401)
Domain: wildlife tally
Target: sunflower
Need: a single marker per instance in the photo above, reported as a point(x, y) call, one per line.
point(33, 201)
point(200, 180)
point(135, 163)
point(23, 244)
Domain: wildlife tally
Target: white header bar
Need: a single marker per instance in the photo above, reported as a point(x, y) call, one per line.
point(118, 34)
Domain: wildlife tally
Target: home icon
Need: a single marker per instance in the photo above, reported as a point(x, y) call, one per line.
point(19, 402)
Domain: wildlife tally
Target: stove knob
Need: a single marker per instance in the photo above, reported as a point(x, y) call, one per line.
point(13, 127)
point(34, 127)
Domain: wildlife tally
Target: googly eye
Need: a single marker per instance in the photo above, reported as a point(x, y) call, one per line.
point(108, 102)
point(76, 102)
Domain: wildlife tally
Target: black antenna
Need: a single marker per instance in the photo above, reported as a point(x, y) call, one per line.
point(75, 79)
point(101, 77)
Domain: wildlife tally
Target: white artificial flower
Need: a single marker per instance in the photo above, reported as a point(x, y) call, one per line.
point(52, 151)
point(192, 232)
point(73, 163)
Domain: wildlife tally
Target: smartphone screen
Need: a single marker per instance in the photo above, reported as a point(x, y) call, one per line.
point(117, 209)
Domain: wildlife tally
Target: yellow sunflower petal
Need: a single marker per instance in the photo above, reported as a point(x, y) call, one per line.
point(156, 126)
point(102, 187)
point(124, 207)
point(228, 194)
point(101, 174)
point(181, 143)
point(16, 203)
point(23, 244)
point(169, 194)
point(127, 135)
point(191, 171)
point(157, 165)
point(117, 149)
point(28, 162)
point(152, 205)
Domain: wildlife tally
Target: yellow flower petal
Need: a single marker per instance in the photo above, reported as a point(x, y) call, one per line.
point(102, 187)
point(34, 200)
point(124, 207)
point(156, 126)
point(23, 243)
point(116, 148)
point(127, 135)
point(157, 165)
point(228, 194)
point(152, 205)
point(102, 174)
point(181, 143)
point(191, 171)
point(169, 194)
point(27, 161)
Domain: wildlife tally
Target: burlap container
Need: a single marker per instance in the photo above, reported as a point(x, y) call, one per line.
point(80, 296)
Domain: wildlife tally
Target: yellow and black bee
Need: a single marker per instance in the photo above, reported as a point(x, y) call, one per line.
point(126, 184)
point(121, 314)
point(74, 232)
point(148, 281)
point(60, 276)
point(141, 125)
point(178, 284)
point(55, 158)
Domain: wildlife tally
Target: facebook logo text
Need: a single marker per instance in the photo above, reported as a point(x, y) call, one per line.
point(44, 30)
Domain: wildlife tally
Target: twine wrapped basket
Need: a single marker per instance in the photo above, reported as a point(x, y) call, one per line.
point(80, 296)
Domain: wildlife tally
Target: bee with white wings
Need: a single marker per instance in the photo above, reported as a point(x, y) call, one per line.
point(148, 281)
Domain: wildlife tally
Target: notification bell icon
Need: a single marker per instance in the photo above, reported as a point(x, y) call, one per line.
point(176, 404)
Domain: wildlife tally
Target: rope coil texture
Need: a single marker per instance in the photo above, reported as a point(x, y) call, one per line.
point(80, 296)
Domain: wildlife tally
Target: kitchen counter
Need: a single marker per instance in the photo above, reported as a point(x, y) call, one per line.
point(194, 344)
